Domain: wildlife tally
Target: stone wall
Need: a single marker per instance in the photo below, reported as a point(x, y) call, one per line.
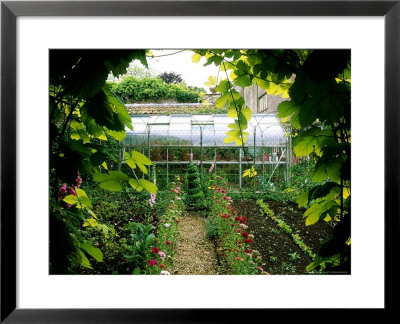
point(258, 101)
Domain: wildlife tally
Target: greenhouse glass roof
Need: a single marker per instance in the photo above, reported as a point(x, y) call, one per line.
point(190, 130)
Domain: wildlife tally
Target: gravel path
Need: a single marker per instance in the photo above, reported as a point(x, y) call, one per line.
point(195, 252)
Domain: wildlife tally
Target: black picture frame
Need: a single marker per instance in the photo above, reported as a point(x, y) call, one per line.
point(10, 10)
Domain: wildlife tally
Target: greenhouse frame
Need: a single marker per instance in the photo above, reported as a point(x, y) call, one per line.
point(172, 141)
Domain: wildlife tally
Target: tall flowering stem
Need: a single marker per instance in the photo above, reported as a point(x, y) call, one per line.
point(167, 232)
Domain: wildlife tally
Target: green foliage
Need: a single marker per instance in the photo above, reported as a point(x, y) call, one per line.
point(286, 228)
point(195, 195)
point(153, 89)
point(171, 77)
point(85, 119)
point(230, 233)
point(318, 84)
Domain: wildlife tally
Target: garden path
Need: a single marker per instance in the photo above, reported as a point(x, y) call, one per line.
point(195, 251)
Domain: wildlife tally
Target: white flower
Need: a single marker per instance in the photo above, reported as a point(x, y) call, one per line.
point(164, 272)
point(167, 225)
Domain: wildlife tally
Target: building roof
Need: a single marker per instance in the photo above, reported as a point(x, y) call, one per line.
point(191, 130)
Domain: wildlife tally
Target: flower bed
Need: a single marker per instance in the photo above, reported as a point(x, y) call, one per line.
point(160, 255)
point(230, 231)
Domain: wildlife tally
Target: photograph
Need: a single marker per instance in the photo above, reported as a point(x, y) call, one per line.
point(182, 161)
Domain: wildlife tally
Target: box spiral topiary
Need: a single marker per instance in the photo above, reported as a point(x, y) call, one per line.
point(195, 194)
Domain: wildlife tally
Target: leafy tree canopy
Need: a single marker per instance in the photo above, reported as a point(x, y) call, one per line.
point(171, 77)
point(318, 83)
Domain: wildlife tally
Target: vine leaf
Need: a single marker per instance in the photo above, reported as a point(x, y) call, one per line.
point(93, 251)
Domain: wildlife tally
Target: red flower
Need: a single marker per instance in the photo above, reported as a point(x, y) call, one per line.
point(162, 265)
point(245, 234)
point(248, 240)
point(152, 262)
point(155, 250)
point(237, 218)
point(168, 242)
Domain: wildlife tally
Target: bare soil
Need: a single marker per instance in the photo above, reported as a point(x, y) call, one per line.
point(279, 253)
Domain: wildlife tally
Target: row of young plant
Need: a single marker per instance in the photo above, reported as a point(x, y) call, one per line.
point(230, 232)
point(264, 208)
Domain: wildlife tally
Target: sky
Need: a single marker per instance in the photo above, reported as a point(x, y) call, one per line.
point(194, 74)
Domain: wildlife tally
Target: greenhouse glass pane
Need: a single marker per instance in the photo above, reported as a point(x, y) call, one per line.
point(196, 135)
point(139, 123)
point(135, 139)
point(208, 135)
point(181, 123)
point(202, 119)
point(180, 129)
point(159, 134)
point(159, 120)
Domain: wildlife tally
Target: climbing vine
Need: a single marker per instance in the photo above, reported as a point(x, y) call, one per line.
point(84, 115)
point(318, 83)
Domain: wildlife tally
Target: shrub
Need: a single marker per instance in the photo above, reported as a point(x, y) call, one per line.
point(154, 89)
point(195, 194)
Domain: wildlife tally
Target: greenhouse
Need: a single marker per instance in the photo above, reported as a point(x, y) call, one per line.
point(172, 141)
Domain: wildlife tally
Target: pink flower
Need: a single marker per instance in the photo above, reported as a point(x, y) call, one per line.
point(191, 156)
point(162, 255)
point(239, 258)
point(212, 168)
point(63, 189)
point(198, 163)
point(72, 191)
point(152, 262)
point(78, 181)
point(152, 199)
